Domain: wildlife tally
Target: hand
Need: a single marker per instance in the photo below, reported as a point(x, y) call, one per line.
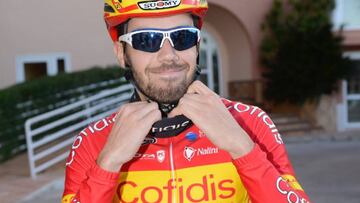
point(133, 122)
point(208, 112)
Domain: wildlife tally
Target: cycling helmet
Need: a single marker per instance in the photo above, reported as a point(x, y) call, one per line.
point(117, 12)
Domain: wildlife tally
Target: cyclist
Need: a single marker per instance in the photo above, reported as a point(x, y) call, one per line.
point(176, 140)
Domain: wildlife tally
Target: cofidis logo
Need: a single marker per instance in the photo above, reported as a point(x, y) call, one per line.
point(217, 183)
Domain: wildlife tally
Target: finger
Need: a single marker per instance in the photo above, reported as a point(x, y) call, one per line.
point(206, 101)
point(200, 88)
point(127, 110)
point(151, 117)
point(197, 98)
point(188, 107)
point(135, 117)
point(175, 112)
point(129, 107)
point(145, 109)
point(194, 103)
point(178, 111)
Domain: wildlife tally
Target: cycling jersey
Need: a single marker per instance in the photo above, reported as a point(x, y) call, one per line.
point(186, 168)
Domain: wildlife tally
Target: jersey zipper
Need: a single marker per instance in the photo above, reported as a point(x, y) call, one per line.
point(173, 176)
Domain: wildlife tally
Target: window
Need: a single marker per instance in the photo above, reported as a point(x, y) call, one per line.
point(347, 13)
point(61, 65)
point(351, 91)
point(209, 62)
point(34, 70)
point(354, 80)
point(32, 67)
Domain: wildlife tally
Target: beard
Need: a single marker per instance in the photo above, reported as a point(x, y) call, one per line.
point(167, 90)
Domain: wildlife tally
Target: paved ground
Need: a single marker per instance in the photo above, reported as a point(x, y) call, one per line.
point(328, 171)
point(15, 181)
point(328, 168)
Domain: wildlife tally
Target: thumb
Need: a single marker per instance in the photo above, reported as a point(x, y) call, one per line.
point(175, 112)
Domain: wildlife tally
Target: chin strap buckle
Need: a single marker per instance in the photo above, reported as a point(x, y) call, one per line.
point(167, 108)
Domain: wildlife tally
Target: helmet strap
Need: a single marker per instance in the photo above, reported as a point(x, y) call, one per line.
point(166, 127)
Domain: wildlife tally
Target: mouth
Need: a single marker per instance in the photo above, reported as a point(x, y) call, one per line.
point(169, 72)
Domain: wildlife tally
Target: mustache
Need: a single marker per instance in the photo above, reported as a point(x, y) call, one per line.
point(168, 67)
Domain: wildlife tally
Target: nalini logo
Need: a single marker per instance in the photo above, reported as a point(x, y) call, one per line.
point(152, 5)
point(160, 155)
point(189, 153)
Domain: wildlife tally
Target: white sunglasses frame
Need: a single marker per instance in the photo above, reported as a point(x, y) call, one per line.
point(165, 32)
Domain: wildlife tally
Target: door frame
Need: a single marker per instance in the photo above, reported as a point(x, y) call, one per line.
point(344, 117)
point(211, 48)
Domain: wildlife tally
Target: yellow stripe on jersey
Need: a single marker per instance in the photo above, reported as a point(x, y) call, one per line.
point(67, 198)
point(210, 183)
point(292, 182)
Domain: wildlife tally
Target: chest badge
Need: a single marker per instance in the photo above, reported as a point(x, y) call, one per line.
point(160, 155)
point(189, 153)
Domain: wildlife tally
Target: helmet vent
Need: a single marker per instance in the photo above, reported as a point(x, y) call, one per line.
point(108, 8)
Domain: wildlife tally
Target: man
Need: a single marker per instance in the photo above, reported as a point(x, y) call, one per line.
point(176, 141)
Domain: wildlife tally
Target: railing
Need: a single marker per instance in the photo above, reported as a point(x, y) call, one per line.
point(49, 135)
point(12, 132)
point(82, 93)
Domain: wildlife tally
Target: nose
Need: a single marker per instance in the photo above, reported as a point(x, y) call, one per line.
point(167, 53)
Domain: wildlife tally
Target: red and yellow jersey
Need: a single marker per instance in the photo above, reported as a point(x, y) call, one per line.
point(186, 168)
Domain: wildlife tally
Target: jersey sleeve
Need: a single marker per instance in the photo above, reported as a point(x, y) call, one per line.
point(85, 181)
point(266, 171)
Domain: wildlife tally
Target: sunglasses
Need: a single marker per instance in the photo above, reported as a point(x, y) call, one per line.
point(151, 40)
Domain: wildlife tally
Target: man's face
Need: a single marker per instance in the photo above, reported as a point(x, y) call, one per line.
point(164, 75)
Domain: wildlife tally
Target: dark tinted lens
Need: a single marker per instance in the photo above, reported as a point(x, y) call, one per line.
point(147, 41)
point(184, 39)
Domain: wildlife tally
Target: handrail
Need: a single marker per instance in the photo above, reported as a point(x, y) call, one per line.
point(45, 137)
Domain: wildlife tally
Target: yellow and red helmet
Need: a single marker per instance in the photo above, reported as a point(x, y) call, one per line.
point(119, 11)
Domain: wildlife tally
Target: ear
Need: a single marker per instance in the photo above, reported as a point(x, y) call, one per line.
point(119, 53)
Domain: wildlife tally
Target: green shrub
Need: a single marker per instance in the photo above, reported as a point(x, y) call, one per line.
point(302, 56)
point(26, 100)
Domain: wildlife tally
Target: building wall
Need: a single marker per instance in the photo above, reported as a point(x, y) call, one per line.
point(42, 27)
point(234, 46)
point(236, 27)
point(250, 14)
point(352, 39)
point(77, 28)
